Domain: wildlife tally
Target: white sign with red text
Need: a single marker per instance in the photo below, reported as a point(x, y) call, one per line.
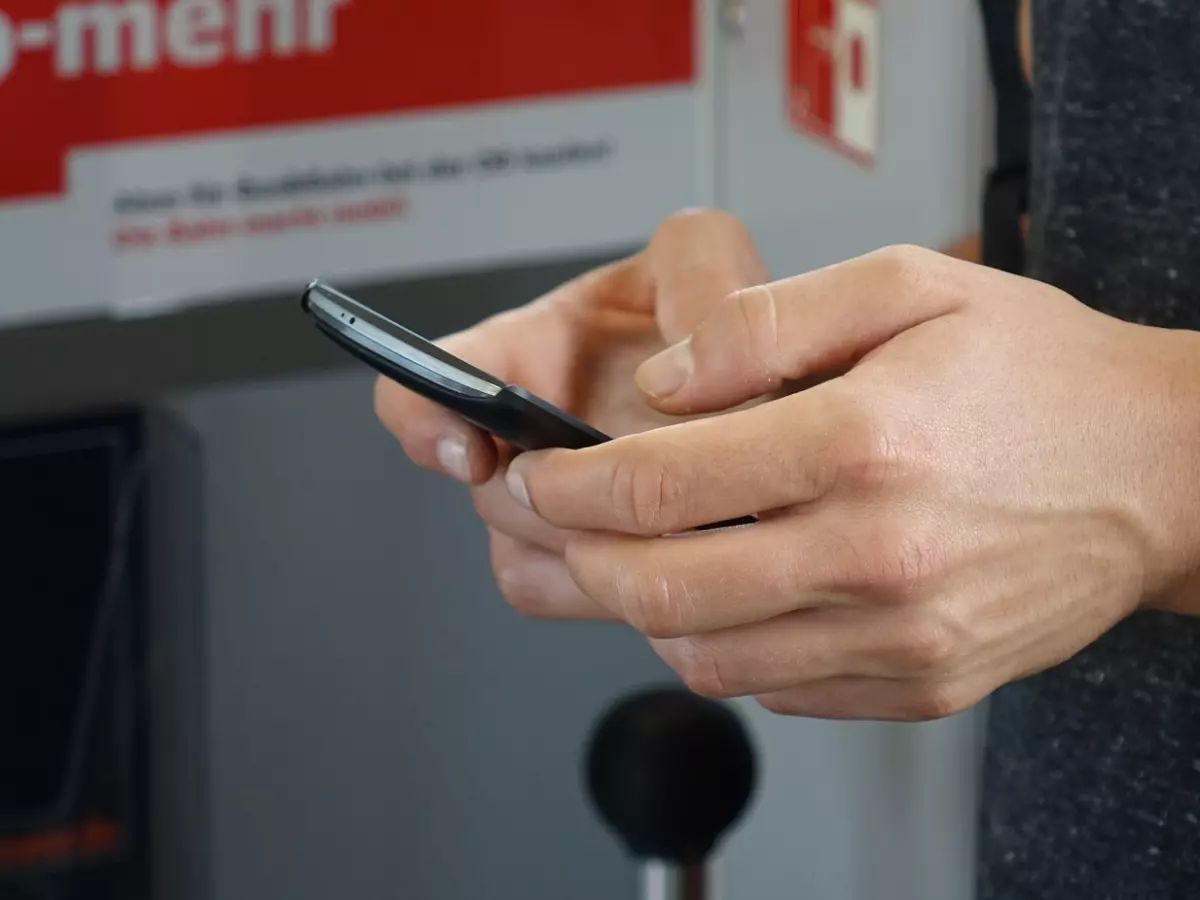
point(164, 151)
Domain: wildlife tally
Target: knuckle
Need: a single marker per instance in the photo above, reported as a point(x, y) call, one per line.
point(544, 484)
point(901, 558)
point(927, 646)
point(653, 604)
point(647, 497)
point(871, 448)
point(497, 510)
point(778, 704)
point(933, 700)
point(521, 596)
point(756, 315)
point(519, 593)
point(844, 453)
point(701, 668)
point(905, 265)
point(893, 454)
point(509, 562)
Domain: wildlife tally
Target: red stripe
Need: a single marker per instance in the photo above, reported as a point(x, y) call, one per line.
point(390, 56)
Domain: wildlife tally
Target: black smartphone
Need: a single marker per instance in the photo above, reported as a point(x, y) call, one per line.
point(506, 411)
point(509, 412)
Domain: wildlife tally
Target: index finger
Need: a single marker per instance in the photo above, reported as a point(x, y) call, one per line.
point(536, 346)
point(789, 451)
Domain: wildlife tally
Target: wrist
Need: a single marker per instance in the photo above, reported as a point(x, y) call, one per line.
point(1169, 475)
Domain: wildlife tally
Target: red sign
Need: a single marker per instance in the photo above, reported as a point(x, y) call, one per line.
point(833, 73)
point(94, 72)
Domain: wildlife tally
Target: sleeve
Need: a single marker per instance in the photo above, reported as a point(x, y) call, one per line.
point(1006, 190)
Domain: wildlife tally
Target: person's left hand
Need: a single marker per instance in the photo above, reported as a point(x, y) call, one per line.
point(578, 348)
point(990, 477)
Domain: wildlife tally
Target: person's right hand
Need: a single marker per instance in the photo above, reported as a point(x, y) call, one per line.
point(578, 348)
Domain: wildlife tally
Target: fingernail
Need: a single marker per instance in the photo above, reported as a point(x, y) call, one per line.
point(516, 487)
point(665, 374)
point(452, 457)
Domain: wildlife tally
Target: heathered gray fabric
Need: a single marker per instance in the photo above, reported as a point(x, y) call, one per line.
point(1092, 777)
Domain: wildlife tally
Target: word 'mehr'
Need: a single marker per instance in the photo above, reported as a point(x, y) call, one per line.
point(83, 74)
point(109, 37)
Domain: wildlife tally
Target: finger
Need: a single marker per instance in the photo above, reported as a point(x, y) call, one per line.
point(792, 450)
point(537, 583)
point(696, 258)
point(875, 699)
point(502, 513)
point(440, 440)
point(435, 438)
point(432, 437)
point(623, 285)
point(761, 337)
point(893, 642)
point(708, 581)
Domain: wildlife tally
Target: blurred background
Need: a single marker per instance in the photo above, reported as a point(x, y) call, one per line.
point(247, 650)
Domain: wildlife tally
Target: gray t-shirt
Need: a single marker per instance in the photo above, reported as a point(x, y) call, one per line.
point(1092, 777)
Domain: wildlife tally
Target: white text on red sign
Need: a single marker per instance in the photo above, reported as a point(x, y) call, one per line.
point(110, 38)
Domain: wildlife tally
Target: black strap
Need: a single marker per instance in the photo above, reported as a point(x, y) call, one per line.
point(1006, 195)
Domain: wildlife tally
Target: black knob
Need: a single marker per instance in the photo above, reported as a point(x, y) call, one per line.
point(670, 772)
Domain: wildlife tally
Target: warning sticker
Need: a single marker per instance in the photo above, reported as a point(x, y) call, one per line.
point(833, 74)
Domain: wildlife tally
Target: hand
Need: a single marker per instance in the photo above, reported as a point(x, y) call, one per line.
point(998, 475)
point(578, 348)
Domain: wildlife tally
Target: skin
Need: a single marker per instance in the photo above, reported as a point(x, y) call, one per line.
point(962, 477)
point(591, 335)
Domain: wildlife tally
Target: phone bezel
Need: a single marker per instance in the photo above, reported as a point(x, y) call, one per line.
point(378, 335)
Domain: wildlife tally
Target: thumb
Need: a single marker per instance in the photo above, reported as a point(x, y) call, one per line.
point(759, 338)
point(696, 259)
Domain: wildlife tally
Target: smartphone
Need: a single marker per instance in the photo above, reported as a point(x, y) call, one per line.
point(509, 412)
point(506, 411)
